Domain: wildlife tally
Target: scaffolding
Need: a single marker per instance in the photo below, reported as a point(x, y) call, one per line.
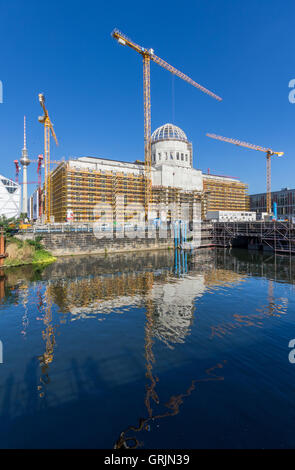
point(118, 195)
point(225, 194)
point(267, 236)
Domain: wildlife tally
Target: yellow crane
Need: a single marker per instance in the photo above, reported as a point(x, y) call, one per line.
point(269, 153)
point(48, 128)
point(148, 55)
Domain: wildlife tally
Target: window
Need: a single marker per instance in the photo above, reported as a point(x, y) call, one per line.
point(171, 155)
point(177, 155)
point(10, 189)
point(9, 185)
point(182, 156)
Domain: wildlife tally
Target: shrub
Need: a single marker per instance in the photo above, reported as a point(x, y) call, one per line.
point(36, 243)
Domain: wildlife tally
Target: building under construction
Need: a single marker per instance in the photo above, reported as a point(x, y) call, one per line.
point(90, 188)
point(225, 193)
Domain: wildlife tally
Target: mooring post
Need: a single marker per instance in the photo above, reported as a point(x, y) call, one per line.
point(181, 233)
point(175, 261)
point(175, 234)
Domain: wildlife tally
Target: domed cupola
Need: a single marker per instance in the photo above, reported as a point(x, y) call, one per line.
point(169, 132)
point(170, 146)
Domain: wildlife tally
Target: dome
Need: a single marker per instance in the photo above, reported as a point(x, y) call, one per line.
point(169, 132)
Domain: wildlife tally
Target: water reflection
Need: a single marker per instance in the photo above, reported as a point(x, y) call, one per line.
point(48, 335)
point(167, 286)
point(115, 287)
point(128, 441)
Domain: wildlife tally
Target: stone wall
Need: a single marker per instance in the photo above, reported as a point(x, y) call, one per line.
point(75, 243)
point(84, 243)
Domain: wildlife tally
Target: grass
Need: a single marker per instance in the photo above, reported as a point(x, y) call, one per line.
point(43, 256)
point(27, 252)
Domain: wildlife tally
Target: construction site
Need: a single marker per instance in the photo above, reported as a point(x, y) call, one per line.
point(163, 188)
point(83, 188)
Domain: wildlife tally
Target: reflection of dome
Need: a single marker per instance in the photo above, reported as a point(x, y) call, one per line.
point(174, 308)
point(169, 132)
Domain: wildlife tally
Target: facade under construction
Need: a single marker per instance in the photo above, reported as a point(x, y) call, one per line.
point(89, 188)
point(225, 193)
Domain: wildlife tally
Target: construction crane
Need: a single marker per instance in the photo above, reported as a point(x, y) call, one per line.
point(17, 171)
point(269, 153)
point(148, 55)
point(17, 168)
point(48, 128)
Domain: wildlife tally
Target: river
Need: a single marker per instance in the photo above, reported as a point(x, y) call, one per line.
point(152, 350)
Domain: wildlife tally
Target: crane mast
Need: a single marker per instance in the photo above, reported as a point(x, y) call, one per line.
point(48, 128)
point(147, 131)
point(148, 55)
point(269, 153)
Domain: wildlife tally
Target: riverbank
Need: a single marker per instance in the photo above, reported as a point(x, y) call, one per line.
point(73, 243)
point(20, 253)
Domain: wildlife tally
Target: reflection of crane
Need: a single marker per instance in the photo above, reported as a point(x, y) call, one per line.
point(48, 127)
point(269, 153)
point(49, 338)
point(275, 306)
point(149, 355)
point(272, 307)
point(25, 302)
point(175, 401)
point(148, 55)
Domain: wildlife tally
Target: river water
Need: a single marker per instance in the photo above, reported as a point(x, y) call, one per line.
point(156, 350)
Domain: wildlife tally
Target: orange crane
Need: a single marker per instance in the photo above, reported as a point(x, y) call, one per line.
point(269, 153)
point(148, 55)
point(48, 128)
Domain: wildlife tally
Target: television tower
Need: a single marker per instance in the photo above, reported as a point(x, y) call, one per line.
point(25, 162)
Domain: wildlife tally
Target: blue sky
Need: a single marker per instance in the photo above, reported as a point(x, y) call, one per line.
point(243, 51)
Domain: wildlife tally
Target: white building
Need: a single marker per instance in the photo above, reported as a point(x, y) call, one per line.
point(231, 216)
point(172, 160)
point(10, 198)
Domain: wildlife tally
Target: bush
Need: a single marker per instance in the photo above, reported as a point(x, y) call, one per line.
point(30, 251)
point(36, 243)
